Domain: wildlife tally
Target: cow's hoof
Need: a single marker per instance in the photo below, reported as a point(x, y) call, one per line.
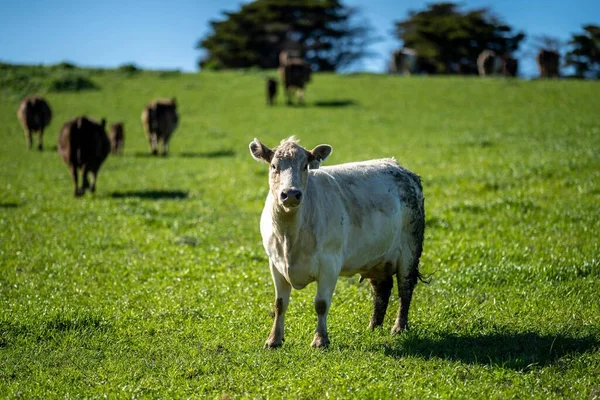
point(320, 342)
point(374, 325)
point(272, 344)
point(40, 148)
point(79, 192)
point(397, 329)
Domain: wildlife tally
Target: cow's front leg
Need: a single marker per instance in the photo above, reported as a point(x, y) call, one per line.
point(325, 288)
point(282, 298)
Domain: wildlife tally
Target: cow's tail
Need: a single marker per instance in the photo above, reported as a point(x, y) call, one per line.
point(419, 237)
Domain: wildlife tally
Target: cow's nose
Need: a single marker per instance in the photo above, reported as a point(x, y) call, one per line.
point(291, 197)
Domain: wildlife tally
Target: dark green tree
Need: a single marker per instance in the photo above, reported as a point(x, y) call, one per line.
point(450, 40)
point(584, 53)
point(328, 32)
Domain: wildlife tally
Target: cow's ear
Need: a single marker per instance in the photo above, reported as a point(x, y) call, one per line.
point(103, 123)
point(318, 155)
point(260, 152)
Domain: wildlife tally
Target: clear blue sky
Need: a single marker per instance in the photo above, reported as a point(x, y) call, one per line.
point(162, 34)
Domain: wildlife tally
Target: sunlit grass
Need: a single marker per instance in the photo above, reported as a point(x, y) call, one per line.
point(158, 285)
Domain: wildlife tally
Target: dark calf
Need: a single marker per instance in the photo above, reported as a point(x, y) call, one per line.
point(83, 144)
point(271, 90)
point(117, 138)
point(34, 115)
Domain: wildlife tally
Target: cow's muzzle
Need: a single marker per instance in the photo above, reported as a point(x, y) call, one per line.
point(290, 197)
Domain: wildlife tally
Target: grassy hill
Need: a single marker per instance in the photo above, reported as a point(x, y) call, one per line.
point(158, 285)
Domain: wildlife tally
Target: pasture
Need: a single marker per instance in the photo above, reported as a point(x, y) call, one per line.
point(158, 286)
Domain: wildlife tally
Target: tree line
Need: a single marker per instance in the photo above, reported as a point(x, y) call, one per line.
point(331, 35)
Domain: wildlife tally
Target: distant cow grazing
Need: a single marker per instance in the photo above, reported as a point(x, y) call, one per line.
point(83, 144)
point(489, 64)
point(160, 120)
point(117, 138)
point(548, 63)
point(295, 74)
point(404, 61)
point(34, 114)
point(364, 218)
point(271, 90)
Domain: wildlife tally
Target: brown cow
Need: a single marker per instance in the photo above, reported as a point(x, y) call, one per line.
point(295, 74)
point(34, 114)
point(160, 120)
point(271, 90)
point(117, 138)
point(548, 62)
point(83, 143)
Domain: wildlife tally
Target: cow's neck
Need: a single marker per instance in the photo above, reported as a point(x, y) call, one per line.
point(288, 227)
point(287, 222)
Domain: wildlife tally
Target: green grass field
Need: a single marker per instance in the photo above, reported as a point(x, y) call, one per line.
point(158, 286)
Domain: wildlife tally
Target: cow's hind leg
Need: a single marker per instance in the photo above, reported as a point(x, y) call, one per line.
point(28, 138)
point(94, 173)
point(78, 192)
point(40, 141)
point(154, 143)
point(165, 146)
point(282, 298)
point(84, 177)
point(382, 289)
point(407, 276)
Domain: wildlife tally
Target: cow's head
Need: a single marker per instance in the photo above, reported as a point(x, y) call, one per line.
point(288, 172)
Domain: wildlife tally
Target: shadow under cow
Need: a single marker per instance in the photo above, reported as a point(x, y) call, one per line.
point(151, 194)
point(335, 103)
point(516, 351)
point(208, 154)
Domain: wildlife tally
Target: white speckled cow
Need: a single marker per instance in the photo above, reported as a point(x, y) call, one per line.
point(319, 223)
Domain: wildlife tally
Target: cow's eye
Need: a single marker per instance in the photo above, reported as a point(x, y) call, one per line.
point(273, 167)
point(306, 167)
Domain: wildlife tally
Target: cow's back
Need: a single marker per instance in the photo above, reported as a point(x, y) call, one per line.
point(83, 143)
point(160, 117)
point(166, 119)
point(371, 205)
point(34, 113)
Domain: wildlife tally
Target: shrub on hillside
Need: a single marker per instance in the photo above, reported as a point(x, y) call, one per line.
point(71, 82)
point(129, 69)
point(64, 65)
